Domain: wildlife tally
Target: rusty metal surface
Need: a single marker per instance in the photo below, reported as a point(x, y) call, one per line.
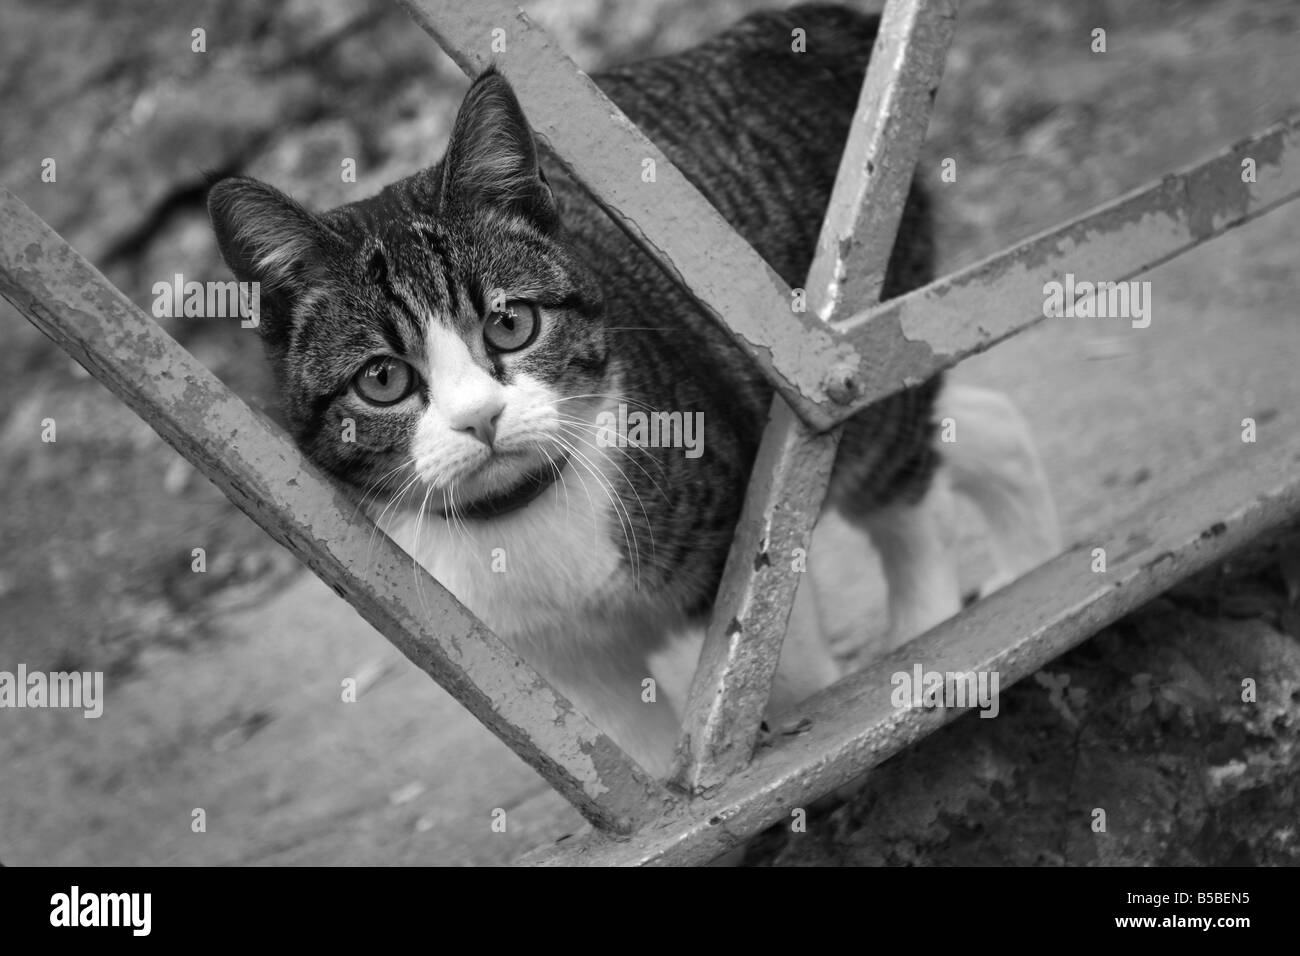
point(747, 629)
point(854, 725)
point(907, 339)
point(261, 471)
point(669, 218)
point(880, 155)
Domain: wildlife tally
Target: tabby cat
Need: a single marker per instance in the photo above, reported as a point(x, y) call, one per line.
point(480, 320)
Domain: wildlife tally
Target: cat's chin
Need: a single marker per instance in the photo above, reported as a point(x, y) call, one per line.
point(484, 495)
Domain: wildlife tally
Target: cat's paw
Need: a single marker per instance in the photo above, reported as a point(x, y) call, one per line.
point(995, 583)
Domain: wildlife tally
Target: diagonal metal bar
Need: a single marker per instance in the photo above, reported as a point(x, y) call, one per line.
point(671, 221)
point(854, 725)
point(743, 643)
point(908, 339)
point(258, 468)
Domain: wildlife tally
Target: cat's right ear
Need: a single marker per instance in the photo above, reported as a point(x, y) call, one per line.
point(268, 238)
point(492, 158)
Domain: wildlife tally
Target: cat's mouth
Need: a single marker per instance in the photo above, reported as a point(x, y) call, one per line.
point(518, 495)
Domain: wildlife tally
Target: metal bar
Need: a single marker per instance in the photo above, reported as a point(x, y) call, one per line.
point(742, 645)
point(880, 156)
point(670, 220)
point(259, 469)
point(908, 339)
point(747, 629)
point(854, 725)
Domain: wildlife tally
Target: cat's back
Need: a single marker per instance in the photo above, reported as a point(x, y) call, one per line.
point(757, 118)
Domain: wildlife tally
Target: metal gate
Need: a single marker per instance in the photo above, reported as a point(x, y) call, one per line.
point(842, 353)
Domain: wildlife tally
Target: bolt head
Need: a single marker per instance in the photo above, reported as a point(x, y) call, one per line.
point(842, 384)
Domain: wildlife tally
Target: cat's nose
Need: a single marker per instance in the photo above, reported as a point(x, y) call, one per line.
point(479, 421)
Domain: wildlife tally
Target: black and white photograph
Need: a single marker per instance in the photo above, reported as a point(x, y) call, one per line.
point(691, 433)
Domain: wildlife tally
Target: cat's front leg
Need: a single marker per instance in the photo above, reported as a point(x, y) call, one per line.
point(606, 677)
point(806, 664)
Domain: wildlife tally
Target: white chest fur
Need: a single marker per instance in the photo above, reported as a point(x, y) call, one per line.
point(540, 569)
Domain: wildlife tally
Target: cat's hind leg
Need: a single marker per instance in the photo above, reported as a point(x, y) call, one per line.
point(916, 543)
point(888, 482)
point(991, 460)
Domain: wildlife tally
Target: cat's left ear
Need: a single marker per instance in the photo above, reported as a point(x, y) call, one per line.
point(492, 158)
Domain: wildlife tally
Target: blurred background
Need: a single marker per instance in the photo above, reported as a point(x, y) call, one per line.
point(223, 687)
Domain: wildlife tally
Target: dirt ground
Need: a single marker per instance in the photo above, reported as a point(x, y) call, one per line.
point(1135, 749)
point(223, 687)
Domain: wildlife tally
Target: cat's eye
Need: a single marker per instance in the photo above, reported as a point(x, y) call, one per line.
point(511, 328)
point(384, 381)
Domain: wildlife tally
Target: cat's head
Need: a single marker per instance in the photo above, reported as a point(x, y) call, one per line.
point(442, 332)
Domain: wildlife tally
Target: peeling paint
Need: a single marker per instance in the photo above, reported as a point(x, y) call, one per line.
point(974, 309)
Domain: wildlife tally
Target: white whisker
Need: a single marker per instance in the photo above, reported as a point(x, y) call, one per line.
point(630, 485)
point(620, 510)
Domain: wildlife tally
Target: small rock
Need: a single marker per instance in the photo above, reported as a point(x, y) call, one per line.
point(177, 476)
point(1229, 771)
point(407, 793)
